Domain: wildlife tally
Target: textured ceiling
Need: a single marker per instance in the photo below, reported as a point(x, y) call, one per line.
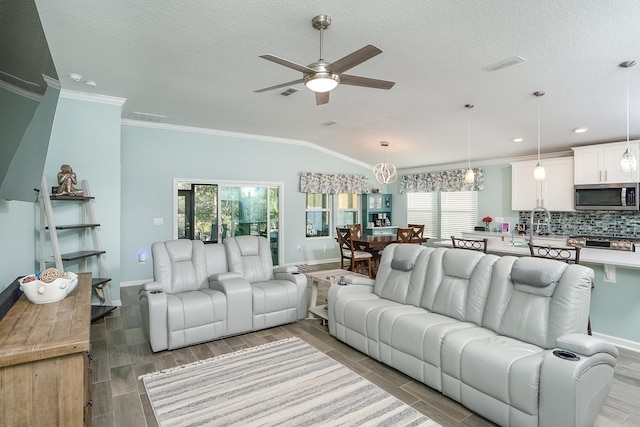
point(197, 62)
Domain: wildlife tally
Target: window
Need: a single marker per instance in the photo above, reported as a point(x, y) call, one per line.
point(347, 209)
point(324, 210)
point(318, 215)
point(456, 211)
point(422, 208)
point(212, 211)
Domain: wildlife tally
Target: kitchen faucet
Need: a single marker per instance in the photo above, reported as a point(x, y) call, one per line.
point(547, 215)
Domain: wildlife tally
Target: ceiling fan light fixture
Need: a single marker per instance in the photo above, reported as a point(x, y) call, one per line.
point(321, 82)
point(384, 172)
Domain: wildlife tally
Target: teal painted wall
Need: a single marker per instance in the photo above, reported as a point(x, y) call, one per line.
point(86, 135)
point(19, 240)
point(153, 157)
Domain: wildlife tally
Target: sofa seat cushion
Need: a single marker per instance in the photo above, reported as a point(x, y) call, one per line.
point(195, 308)
point(274, 295)
point(195, 316)
point(505, 369)
point(411, 341)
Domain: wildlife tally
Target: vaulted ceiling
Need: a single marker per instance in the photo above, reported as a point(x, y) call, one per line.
point(197, 63)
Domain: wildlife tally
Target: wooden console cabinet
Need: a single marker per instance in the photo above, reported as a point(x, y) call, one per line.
point(45, 371)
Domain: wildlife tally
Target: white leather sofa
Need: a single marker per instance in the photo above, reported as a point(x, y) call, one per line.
point(196, 297)
point(504, 336)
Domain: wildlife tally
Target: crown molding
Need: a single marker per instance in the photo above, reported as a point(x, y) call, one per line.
point(479, 163)
point(20, 92)
point(238, 135)
point(84, 96)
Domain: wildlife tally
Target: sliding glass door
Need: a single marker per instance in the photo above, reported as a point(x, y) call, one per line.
point(212, 212)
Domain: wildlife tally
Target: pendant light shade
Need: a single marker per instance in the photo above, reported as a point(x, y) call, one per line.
point(628, 161)
point(538, 171)
point(469, 176)
point(384, 172)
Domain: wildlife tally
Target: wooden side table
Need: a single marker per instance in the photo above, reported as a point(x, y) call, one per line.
point(324, 277)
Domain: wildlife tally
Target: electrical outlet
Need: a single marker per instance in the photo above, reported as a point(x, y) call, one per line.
point(299, 248)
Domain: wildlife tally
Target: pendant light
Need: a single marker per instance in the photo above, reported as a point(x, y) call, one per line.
point(628, 161)
point(469, 176)
point(384, 172)
point(538, 171)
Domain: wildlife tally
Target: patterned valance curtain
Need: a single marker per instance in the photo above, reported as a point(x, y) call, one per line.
point(332, 183)
point(451, 180)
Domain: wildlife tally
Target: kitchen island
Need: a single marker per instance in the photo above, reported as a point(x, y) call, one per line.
point(501, 244)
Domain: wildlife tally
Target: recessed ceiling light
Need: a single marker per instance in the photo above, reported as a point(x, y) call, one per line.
point(517, 140)
point(580, 130)
point(90, 83)
point(75, 77)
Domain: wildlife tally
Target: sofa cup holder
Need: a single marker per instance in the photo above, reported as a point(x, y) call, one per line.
point(566, 355)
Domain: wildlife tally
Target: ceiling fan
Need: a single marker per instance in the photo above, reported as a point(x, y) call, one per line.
point(322, 76)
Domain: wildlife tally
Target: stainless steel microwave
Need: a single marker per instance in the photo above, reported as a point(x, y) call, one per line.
point(619, 197)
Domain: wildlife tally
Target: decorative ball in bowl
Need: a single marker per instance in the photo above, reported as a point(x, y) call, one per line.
point(41, 292)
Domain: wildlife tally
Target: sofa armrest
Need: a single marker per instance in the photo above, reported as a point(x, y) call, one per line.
point(357, 280)
point(586, 345)
point(222, 276)
point(335, 291)
point(153, 287)
point(154, 314)
point(575, 380)
point(286, 269)
point(239, 303)
point(301, 284)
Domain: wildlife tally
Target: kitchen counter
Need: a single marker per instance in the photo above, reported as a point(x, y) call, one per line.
point(606, 257)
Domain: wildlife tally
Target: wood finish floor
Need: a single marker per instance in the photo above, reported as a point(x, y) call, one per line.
point(121, 353)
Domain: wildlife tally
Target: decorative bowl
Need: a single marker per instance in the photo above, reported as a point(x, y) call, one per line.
point(39, 292)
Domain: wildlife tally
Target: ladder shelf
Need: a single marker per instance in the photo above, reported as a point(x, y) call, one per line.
point(100, 283)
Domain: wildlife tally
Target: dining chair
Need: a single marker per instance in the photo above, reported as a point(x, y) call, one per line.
point(418, 230)
point(471, 244)
point(350, 252)
point(404, 235)
point(568, 254)
point(357, 228)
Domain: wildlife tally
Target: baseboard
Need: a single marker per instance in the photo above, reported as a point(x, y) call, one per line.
point(135, 283)
point(620, 342)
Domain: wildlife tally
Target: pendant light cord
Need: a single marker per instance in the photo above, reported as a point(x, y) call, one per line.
point(627, 108)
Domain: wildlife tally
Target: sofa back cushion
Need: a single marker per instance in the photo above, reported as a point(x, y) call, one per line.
point(216, 256)
point(537, 300)
point(250, 256)
point(180, 265)
point(457, 283)
point(400, 275)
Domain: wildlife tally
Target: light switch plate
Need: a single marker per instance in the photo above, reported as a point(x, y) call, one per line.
point(158, 221)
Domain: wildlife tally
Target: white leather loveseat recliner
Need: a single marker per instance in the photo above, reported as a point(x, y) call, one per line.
point(194, 297)
point(504, 336)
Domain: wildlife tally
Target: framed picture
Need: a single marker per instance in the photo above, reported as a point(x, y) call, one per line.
point(505, 227)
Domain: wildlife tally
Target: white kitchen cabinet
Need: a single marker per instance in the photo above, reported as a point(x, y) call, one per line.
point(555, 192)
point(600, 164)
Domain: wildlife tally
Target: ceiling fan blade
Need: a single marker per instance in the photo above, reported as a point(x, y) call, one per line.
point(322, 98)
point(353, 59)
point(291, 83)
point(365, 82)
point(289, 64)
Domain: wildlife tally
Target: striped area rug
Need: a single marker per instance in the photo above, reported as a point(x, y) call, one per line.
point(287, 383)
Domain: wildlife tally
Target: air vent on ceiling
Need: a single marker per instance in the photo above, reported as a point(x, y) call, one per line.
point(504, 63)
point(147, 117)
point(289, 91)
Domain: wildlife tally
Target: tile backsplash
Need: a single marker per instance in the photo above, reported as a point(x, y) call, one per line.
point(592, 223)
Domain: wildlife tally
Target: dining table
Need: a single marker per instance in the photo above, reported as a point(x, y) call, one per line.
point(369, 242)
